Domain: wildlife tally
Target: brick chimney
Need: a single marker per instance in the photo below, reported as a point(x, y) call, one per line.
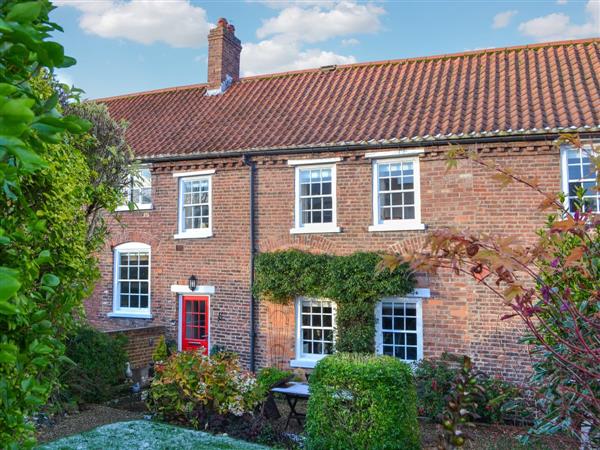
point(223, 54)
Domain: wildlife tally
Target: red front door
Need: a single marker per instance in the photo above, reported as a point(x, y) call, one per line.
point(195, 323)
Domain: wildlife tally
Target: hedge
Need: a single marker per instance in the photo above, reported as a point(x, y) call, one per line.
point(362, 401)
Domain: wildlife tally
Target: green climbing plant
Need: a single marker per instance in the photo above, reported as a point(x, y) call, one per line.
point(354, 282)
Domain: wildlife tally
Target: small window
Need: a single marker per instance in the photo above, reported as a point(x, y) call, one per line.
point(399, 329)
point(315, 199)
point(139, 191)
point(315, 326)
point(195, 218)
point(396, 195)
point(131, 280)
point(578, 171)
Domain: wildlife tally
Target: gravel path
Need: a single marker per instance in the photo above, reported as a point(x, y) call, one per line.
point(91, 417)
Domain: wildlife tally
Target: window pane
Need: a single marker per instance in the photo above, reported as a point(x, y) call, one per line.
point(316, 197)
point(384, 170)
point(398, 323)
point(317, 327)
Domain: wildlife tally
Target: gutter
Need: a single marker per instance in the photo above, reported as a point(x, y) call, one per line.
point(246, 158)
point(363, 146)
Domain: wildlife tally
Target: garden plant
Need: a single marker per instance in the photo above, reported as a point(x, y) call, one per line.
point(552, 285)
point(47, 236)
point(362, 401)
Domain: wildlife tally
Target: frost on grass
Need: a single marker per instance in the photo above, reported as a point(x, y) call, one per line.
point(140, 434)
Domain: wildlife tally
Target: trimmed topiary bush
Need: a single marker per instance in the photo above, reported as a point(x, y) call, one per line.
point(362, 401)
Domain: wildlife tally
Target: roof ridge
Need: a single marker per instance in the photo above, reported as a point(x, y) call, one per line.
point(514, 48)
point(152, 91)
point(367, 63)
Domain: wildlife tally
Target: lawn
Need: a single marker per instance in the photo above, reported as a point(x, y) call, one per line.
point(143, 434)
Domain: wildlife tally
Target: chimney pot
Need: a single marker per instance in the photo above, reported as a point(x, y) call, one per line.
point(224, 50)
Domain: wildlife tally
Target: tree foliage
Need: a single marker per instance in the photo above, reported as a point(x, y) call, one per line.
point(109, 158)
point(353, 282)
point(552, 285)
point(46, 248)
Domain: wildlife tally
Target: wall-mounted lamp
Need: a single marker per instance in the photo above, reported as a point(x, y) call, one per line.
point(192, 280)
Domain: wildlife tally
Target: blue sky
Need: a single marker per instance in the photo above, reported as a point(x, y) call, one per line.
point(127, 46)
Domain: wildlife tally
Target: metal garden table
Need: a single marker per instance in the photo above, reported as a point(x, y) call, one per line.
point(293, 392)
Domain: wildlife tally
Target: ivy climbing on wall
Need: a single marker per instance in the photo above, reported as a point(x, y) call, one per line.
point(354, 282)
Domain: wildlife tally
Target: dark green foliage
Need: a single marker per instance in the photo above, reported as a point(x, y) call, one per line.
point(99, 370)
point(269, 377)
point(362, 401)
point(41, 259)
point(434, 379)
point(354, 282)
point(46, 241)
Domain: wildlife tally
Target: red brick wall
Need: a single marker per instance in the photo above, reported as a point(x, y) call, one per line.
point(141, 343)
point(460, 317)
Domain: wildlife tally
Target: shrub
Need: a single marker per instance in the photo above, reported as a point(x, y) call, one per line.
point(362, 401)
point(199, 390)
point(161, 352)
point(434, 379)
point(99, 369)
point(269, 377)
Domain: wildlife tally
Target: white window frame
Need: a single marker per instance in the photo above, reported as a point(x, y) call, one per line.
point(418, 301)
point(300, 228)
point(182, 233)
point(138, 206)
point(402, 224)
point(564, 171)
point(307, 360)
point(138, 313)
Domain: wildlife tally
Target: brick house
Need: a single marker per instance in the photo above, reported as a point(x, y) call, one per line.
point(337, 160)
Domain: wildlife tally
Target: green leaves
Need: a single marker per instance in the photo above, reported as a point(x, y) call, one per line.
point(9, 284)
point(24, 12)
point(44, 191)
point(50, 280)
point(17, 110)
point(354, 282)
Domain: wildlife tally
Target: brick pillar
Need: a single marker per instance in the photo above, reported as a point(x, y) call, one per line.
point(223, 54)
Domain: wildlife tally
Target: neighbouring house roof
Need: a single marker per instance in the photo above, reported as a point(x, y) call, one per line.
point(543, 88)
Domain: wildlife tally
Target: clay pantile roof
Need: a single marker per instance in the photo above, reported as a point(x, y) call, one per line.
point(543, 88)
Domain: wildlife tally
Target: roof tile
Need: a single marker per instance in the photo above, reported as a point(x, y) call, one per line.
point(498, 91)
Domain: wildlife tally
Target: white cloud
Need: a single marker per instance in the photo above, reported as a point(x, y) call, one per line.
point(319, 23)
point(561, 2)
point(558, 26)
point(280, 55)
point(349, 42)
point(283, 39)
point(177, 23)
point(501, 20)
